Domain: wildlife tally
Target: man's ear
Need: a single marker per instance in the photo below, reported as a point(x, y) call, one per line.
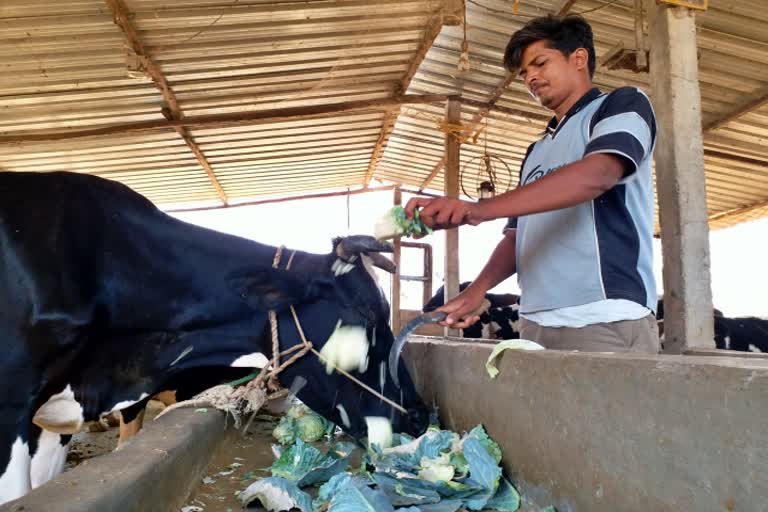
point(264, 290)
point(580, 57)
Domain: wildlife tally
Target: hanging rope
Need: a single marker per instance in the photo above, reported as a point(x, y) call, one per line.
point(457, 130)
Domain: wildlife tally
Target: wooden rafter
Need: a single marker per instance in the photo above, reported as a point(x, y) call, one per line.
point(564, 7)
point(173, 111)
point(477, 119)
point(430, 35)
point(226, 120)
point(432, 174)
point(723, 216)
point(318, 195)
point(387, 127)
point(756, 101)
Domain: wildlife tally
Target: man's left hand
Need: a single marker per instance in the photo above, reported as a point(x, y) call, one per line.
point(444, 212)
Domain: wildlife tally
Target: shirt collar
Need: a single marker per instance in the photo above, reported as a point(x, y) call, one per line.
point(553, 125)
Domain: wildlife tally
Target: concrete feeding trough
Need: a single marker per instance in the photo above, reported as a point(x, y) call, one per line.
point(589, 432)
point(593, 432)
point(156, 471)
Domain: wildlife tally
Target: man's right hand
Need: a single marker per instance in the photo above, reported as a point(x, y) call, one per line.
point(462, 309)
point(444, 212)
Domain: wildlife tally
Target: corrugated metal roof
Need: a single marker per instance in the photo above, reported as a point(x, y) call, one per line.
point(67, 66)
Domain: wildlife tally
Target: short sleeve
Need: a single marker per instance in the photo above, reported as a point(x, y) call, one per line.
point(623, 125)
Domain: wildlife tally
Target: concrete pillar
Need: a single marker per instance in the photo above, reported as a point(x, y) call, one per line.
point(688, 320)
point(452, 162)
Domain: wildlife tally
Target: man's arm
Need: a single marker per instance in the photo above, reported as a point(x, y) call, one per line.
point(622, 133)
point(568, 186)
point(500, 266)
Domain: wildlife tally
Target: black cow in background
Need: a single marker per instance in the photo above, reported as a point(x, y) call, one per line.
point(106, 301)
point(744, 334)
point(501, 318)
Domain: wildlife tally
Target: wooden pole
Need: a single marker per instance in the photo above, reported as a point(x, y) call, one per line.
point(474, 125)
point(396, 314)
point(680, 181)
point(452, 162)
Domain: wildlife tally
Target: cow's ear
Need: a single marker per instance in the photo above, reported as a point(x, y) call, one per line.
point(277, 289)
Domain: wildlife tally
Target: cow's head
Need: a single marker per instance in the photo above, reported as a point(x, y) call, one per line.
point(340, 291)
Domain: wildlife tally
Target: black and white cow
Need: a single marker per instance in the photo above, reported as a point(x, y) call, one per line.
point(501, 318)
point(105, 301)
point(746, 334)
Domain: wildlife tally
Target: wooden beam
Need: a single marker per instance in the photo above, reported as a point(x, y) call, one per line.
point(737, 211)
point(408, 190)
point(641, 59)
point(226, 120)
point(387, 127)
point(453, 12)
point(173, 111)
point(498, 91)
point(434, 26)
point(451, 188)
point(485, 108)
point(432, 175)
point(756, 101)
point(564, 7)
point(493, 107)
point(123, 20)
point(200, 156)
point(282, 199)
point(431, 32)
point(396, 257)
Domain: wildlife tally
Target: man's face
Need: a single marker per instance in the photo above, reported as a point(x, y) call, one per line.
point(549, 75)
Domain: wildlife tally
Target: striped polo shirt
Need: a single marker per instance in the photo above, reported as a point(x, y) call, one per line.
point(600, 249)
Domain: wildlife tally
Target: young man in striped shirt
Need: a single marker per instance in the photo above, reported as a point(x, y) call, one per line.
point(580, 226)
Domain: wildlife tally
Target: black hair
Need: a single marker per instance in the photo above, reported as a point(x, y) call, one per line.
point(565, 34)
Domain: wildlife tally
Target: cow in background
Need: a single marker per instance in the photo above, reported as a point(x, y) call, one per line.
point(744, 334)
point(501, 319)
point(105, 301)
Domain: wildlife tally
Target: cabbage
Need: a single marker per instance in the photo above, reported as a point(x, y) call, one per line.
point(379, 431)
point(489, 444)
point(311, 427)
point(438, 469)
point(306, 465)
point(297, 411)
point(346, 348)
point(276, 495)
point(394, 223)
point(301, 422)
point(285, 431)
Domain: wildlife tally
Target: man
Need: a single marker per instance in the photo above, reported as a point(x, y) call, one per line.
point(580, 224)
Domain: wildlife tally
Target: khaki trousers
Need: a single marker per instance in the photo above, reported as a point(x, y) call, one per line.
point(626, 336)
